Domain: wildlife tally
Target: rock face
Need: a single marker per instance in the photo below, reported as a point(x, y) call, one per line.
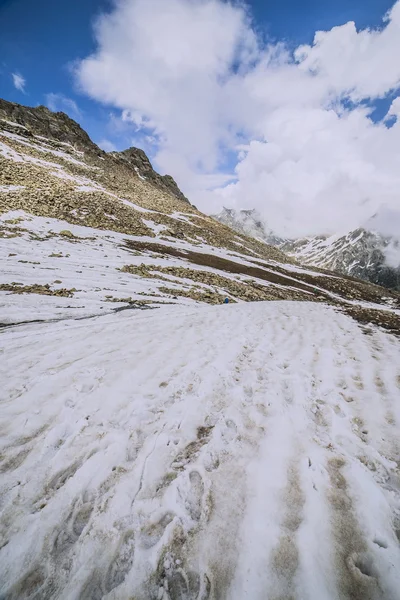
point(248, 222)
point(66, 176)
point(360, 253)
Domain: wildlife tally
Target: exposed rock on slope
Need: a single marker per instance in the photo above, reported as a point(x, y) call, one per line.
point(77, 219)
point(40, 121)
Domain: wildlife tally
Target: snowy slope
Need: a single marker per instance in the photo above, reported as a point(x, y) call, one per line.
point(177, 451)
point(240, 451)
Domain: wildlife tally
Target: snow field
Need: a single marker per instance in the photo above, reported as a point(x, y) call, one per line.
point(242, 451)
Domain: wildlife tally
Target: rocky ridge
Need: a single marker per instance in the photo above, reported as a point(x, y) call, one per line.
point(85, 231)
point(59, 127)
point(136, 159)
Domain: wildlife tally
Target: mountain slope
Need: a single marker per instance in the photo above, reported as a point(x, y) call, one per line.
point(247, 451)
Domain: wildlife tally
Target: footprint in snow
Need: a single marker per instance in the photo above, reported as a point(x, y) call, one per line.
point(93, 588)
point(229, 431)
point(121, 564)
point(32, 586)
point(75, 524)
point(152, 532)
point(60, 479)
point(188, 586)
point(194, 497)
point(89, 380)
point(12, 463)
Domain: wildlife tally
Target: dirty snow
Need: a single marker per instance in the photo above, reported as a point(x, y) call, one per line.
point(11, 188)
point(242, 451)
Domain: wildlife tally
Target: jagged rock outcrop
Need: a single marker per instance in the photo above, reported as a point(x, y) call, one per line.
point(42, 121)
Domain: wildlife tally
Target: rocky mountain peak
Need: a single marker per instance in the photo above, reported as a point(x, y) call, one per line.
point(40, 121)
point(138, 161)
point(359, 253)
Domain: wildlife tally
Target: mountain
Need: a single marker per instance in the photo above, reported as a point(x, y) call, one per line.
point(248, 222)
point(360, 253)
point(42, 123)
point(156, 443)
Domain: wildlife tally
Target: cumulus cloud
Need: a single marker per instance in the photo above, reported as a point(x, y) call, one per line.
point(243, 123)
point(19, 81)
point(61, 103)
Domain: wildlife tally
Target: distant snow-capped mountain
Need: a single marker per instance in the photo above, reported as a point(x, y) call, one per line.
point(248, 222)
point(361, 253)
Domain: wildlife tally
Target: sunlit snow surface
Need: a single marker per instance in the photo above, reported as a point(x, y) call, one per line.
point(240, 451)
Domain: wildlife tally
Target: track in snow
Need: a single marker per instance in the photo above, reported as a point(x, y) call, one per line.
point(246, 451)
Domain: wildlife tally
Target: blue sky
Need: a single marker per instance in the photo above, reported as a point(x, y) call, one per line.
point(41, 38)
point(240, 101)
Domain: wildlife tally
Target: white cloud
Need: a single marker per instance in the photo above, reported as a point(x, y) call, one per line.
point(19, 81)
point(107, 145)
point(359, 63)
point(61, 103)
point(194, 75)
point(392, 254)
